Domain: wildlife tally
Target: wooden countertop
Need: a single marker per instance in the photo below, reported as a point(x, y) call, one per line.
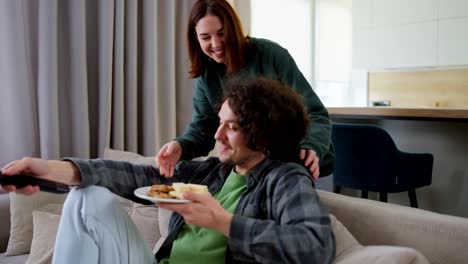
point(379, 112)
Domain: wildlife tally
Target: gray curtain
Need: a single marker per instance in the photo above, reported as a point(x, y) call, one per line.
point(81, 75)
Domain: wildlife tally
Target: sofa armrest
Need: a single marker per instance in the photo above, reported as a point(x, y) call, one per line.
point(440, 238)
point(5, 220)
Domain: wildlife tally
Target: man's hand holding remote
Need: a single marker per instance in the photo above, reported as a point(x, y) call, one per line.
point(54, 171)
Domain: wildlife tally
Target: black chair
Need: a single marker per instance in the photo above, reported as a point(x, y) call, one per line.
point(367, 159)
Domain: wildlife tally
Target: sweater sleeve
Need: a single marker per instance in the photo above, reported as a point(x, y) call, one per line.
point(198, 138)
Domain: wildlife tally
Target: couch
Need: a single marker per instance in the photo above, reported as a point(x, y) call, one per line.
point(366, 231)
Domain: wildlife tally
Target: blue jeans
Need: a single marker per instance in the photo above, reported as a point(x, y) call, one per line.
point(95, 229)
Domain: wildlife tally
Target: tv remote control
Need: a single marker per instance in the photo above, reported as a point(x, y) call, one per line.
point(21, 181)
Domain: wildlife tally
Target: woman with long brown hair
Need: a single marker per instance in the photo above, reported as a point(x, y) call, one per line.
point(219, 49)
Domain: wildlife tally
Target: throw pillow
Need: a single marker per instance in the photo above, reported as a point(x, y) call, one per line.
point(128, 156)
point(350, 251)
point(45, 224)
point(345, 242)
point(144, 216)
point(21, 209)
point(383, 255)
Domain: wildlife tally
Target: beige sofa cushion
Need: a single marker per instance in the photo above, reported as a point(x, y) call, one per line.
point(382, 255)
point(21, 209)
point(45, 224)
point(146, 217)
point(128, 156)
point(439, 238)
point(345, 242)
point(349, 251)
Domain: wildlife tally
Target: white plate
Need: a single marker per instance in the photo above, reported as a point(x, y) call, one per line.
point(142, 193)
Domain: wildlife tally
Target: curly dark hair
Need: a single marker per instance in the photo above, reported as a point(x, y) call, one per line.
point(272, 116)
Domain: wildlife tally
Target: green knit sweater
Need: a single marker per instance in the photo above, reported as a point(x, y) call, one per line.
point(268, 59)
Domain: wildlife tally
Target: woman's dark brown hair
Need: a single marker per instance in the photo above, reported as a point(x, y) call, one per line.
point(271, 115)
point(235, 40)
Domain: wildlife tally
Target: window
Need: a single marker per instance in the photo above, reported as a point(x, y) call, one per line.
point(289, 23)
point(318, 34)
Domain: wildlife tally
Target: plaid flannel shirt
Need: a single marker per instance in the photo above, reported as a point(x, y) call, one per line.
point(279, 218)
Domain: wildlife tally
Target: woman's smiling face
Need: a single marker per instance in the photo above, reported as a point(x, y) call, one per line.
point(210, 35)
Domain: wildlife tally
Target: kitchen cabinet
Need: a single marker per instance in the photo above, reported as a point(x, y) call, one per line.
point(452, 8)
point(404, 46)
point(453, 42)
point(395, 34)
point(399, 12)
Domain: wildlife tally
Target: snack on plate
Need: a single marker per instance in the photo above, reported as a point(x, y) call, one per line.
point(176, 190)
point(180, 188)
point(160, 191)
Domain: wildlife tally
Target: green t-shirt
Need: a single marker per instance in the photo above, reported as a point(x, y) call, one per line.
point(202, 245)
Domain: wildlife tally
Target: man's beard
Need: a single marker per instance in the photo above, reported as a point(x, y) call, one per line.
point(238, 161)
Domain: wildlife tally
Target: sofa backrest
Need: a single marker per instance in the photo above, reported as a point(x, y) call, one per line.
point(440, 238)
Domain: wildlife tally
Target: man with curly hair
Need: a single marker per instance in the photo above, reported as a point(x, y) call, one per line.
point(262, 208)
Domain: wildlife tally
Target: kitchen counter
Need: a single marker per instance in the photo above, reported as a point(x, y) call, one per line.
point(436, 114)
